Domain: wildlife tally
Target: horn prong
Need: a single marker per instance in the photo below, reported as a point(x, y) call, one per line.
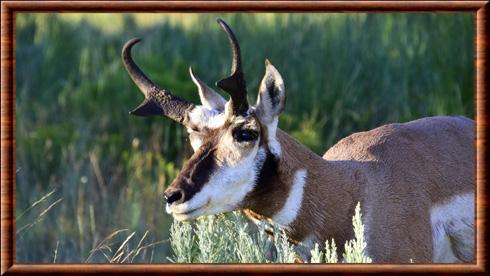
point(157, 101)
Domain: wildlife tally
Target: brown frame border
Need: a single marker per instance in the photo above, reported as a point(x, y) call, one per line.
point(8, 10)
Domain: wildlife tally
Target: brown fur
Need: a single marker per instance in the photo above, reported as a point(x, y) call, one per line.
point(397, 172)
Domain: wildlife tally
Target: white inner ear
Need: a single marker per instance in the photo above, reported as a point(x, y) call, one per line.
point(267, 108)
point(272, 95)
point(274, 145)
point(209, 98)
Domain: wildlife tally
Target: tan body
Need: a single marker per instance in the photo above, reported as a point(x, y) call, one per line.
point(398, 172)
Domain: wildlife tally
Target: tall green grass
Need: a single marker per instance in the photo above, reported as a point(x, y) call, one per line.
point(344, 73)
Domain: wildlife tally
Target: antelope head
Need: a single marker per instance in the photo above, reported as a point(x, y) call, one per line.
point(231, 139)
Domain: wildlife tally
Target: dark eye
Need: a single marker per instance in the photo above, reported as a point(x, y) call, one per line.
point(245, 135)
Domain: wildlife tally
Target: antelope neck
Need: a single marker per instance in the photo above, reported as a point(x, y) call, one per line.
point(300, 183)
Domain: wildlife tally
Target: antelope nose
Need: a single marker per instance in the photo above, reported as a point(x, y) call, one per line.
point(172, 196)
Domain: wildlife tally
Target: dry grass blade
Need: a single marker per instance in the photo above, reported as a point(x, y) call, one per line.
point(106, 257)
point(137, 250)
point(140, 249)
point(94, 161)
point(102, 245)
point(39, 218)
point(120, 251)
point(41, 200)
point(56, 251)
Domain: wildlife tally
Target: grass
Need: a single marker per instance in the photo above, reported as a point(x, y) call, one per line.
point(76, 142)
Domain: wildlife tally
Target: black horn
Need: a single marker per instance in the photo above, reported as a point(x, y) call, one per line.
point(235, 84)
point(157, 101)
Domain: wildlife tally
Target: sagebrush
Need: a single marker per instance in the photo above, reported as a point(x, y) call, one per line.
point(228, 238)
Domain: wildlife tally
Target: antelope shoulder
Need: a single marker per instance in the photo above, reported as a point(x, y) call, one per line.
point(414, 172)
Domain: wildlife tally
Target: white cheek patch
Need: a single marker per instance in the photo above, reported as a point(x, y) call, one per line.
point(453, 220)
point(293, 203)
point(226, 188)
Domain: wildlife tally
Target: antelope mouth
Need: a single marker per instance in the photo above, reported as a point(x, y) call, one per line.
point(188, 214)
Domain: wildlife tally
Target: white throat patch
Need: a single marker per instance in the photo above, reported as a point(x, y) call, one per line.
point(293, 203)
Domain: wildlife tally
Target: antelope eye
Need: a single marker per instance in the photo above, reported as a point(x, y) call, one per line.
point(245, 135)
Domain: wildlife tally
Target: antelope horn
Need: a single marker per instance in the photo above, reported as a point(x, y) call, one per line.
point(235, 84)
point(157, 101)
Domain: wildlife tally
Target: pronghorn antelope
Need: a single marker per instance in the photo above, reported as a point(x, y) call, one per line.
point(415, 181)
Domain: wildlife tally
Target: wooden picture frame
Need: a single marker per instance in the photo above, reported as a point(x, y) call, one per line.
point(8, 11)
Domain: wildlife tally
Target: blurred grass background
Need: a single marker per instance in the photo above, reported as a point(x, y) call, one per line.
point(101, 170)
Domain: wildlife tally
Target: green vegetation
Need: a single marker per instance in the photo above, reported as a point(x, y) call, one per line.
point(96, 174)
point(227, 238)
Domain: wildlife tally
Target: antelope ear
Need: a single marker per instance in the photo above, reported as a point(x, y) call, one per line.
point(209, 98)
point(272, 95)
